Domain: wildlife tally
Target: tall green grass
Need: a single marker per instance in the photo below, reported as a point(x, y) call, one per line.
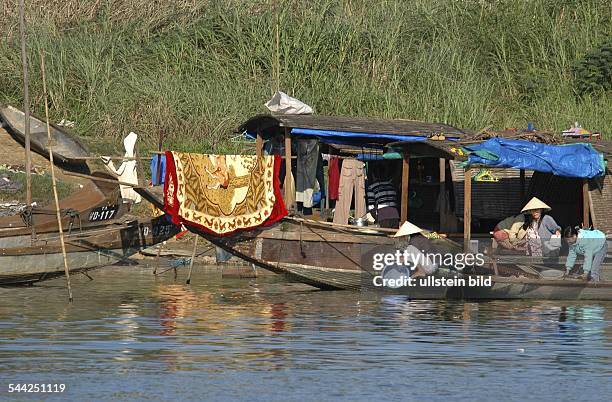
point(193, 70)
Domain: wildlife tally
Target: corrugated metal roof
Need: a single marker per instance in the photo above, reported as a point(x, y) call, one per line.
point(266, 123)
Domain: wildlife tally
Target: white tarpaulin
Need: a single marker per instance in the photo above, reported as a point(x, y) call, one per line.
point(283, 103)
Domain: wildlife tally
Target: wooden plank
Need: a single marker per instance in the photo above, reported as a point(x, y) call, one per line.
point(441, 196)
point(405, 179)
point(586, 202)
point(467, 208)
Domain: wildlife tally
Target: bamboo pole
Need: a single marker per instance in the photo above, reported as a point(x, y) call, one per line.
point(193, 253)
point(53, 181)
point(102, 179)
point(26, 103)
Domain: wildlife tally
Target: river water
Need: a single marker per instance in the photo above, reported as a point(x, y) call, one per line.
point(130, 335)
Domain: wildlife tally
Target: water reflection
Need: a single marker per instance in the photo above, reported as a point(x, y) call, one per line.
point(236, 331)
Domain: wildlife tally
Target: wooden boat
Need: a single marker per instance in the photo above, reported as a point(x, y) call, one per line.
point(96, 204)
point(68, 151)
point(330, 256)
point(24, 260)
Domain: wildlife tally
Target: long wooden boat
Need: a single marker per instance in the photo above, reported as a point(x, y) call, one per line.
point(68, 151)
point(24, 260)
point(96, 204)
point(330, 260)
point(332, 257)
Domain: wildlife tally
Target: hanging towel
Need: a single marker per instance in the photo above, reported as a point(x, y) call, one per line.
point(334, 177)
point(127, 170)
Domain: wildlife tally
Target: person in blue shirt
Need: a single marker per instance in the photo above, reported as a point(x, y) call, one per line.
point(591, 244)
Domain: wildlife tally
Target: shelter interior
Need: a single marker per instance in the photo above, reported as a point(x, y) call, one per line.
point(427, 173)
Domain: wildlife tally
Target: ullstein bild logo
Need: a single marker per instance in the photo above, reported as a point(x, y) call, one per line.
point(412, 267)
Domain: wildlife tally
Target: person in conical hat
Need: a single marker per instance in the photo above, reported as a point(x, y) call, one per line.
point(418, 245)
point(536, 204)
point(407, 229)
point(540, 228)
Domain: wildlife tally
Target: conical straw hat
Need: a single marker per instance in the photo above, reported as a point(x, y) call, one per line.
point(407, 229)
point(535, 203)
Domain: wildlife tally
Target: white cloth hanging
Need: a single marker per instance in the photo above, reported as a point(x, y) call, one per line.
point(127, 170)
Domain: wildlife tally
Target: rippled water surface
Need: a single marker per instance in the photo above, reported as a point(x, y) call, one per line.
point(130, 335)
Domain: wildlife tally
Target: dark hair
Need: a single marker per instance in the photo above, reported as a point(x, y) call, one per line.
point(529, 220)
point(570, 231)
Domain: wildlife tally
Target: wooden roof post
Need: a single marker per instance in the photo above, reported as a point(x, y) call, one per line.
point(585, 203)
point(287, 185)
point(522, 182)
point(259, 144)
point(405, 180)
point(467, 208)
point(442, 196)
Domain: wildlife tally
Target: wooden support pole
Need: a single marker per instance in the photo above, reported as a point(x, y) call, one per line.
point(139, 167)
point(51, 145)
point(585, 204)
point(193, 253)
point(26, 103)
point(442, 195)
point(522, 183)
point(288, 197)
point(159, 248)
point(405, 181)
point(467, 208)
point(259, 145)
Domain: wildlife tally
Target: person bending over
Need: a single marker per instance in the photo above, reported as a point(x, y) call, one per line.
point(591, 244)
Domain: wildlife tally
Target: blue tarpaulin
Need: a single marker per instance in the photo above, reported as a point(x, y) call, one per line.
point(355, 135)
point(568, 160)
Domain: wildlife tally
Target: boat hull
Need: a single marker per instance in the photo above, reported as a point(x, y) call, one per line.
point(42, 259)
point(328, 259)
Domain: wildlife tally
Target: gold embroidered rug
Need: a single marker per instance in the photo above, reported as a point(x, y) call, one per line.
point(223, 193)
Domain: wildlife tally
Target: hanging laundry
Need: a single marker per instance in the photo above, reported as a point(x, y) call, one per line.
point(333, 171)
point(307, 159)
point(222, 194)
point(127, 170)
point(352, 179)
point(321, 177)
point(158, 163)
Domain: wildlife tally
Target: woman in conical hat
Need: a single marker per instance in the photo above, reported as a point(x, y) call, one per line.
point(540, 227)
point(416, 246)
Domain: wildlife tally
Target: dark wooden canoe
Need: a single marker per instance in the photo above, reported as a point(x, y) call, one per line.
point(332, 257)
point(67, 149)
point(25, 261)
